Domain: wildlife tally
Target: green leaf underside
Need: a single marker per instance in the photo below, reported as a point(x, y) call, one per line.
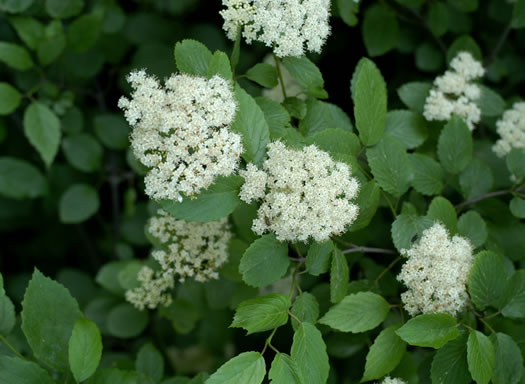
point(262, 313)
point(429, 330)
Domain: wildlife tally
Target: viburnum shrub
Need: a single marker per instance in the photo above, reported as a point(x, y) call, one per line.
point(307, 192)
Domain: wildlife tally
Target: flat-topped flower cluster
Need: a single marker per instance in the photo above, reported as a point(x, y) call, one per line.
point(152, 291)
point(511, 128)
point(455, 93)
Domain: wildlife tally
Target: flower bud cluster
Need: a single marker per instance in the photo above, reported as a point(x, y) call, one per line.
point(181, 132)
point(286, 25)
point(189, 249)
point(511, 128)
point(395, 380)
point(436, 273)
point(454, 93)
point(152, 291)
point(304, 194)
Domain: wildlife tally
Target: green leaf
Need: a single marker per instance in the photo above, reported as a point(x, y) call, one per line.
point(192, 57)
point(107, 276)
point(408, 127)
point(368, 202)
point(285, 370)
point(487, 279)
point(449, 365)
point(428, 176)
point(380, 30)
point(49, 313)
point(15, 56)
point(442, 210)
point(429, 330)
point(414, 94)
point(348, 11)
point(150, 362)
point(472, 226)
point(84, 32)
point(276, 116)
point(53, 44)
point(464, 5)
point(15, 6)
point(305, 308)
point(296, 107)
point(514, 296)
point(517, 207)
point(405, 227)
point(9, 98)
point(516, 162)
point(112, 130)
point(356, 313)
point(247, 367)
point(14, 370)
point(318, 257)
point(116, 376)
point(339, 276)
point(220, 65)
point(42, 129)
point(321, 116)
point(508, 362)
point(464, 43)
point(390, 166)
point(480, 356)
point(309, 351)
point(250, 124)
point(126, 322)
point(476, 179)
point(307, 75)
point(78, 203)
point(385, 354)
point(214, 203)
point(341, 144)
point(29, 29)
point(437, 19)
point(370, 102)
point(262, 313)
point(490, 103)
point(85, 349)
point(263, 74)
point(518, 14)
point(7, 311)
point(83, 152)
point(429, 58)
point(455, 146)
point(20, 180)
point(264, 262)
point(64, 9)
point(183, 315)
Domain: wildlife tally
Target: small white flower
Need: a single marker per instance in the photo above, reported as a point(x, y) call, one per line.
point(511, 128)
point(152, 291)
point(436, 273)
point(304, 194)
point(395, 380)
point(287, 25)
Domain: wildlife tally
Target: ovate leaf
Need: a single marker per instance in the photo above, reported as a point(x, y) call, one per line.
point(429, 330)
point(64, 9)
point(192, 57)
point(85, 349)
point(408, 127)
point(263, 74)
point(285, 370)
point(449, 365)
point(305, 308)
point(83, 152)
point(220, 65)
point(248, 367)
point(380, 29)
point(78, 203)
point(490, 103)
point(15, 56)
point(428, 178)
point(480, 356)
point(307, 75)
point(472, 226)
point(508, 362)
point(20, 180)
point(125, 321)
point(487, 279)
point(9, 98)
point(150, 362)
point(516, 162)
point(42, 128)
point(517, 207)
point(476, 179)
point(406, 227)
point(514, 296)
point(319, 256)
point(368, 202)
point(455, 146)
point(442, 210)
point(339, 276)
point(321, 116)
point(15, 370)
point(262, 313)
point(309, 351)
point(414, 94)
point(385, 354)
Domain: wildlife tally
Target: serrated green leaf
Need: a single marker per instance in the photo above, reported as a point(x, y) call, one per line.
point(125, 321)
point(275, 115)
point(405, 227)
point(264, 262)
point(408, 127)
point(472, 226)
point(192, 57)
point(262, 313)
point(518, 14)
point(370, 102)
point(247, 367)
point(514, 296)
point(309, 351)
point(517, 207)
point(15, 56)
point(490, 103)
point(442, 210)
point(429, 330)
point(296, 107)
point(64, 9)
point(380, 29)
point(385, 354)
point(15, 370)
point(390, 166)
point(428, 175)
point(10, 98)
point(7, 311)
point(112, 130)
point(284, 370)
point(53, 44)
point(220, 65)
point(487, 279)
point(307, 75)
point(515, 161)
point(83, 152)
point(508, 362)
point(250, 124)
point(319, 256)
point(414, 94)
point(85, 349)
point(455, 146)
point(78, 203)
point(305, 308)
point(356, 313)
point(339, 143)
point(480, 357)
point(321, 115)
point(84, 32)
point(150, 362)
point(437, 19)
point(368, 202)
point(476, 179)
point(339, 276)
point(42, 128)
point(263, 74)
point(214, 203)
point(449, 365)
point(49, 313)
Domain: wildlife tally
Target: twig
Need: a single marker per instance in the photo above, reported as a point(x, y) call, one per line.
point(278, 67)
point(487, 196)
point(357, 248)
point(499, 45)
point(388, 268)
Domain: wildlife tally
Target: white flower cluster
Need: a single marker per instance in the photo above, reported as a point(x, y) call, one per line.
point(389, 380)
point(511, 128)
point(304, 194)
point(436, 272)
point(152, 291)
point(287, 25)
point(190, 249)
point(454, 93)
point(181, 132)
